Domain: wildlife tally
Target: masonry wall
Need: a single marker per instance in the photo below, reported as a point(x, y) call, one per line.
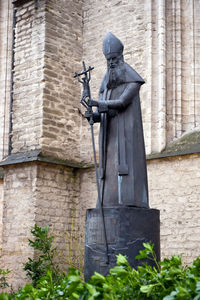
point(19, 205)
point(1, 211)
point(63, 52)
point(6, 22)
point(46, 195)
point(174, 189)
point(58, 206)
point(28, 77)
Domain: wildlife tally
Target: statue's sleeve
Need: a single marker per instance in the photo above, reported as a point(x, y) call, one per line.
point(126, 97)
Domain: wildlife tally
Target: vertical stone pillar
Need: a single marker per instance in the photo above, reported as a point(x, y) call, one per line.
point(19, 204)
point(41, 178)
point(6, 23)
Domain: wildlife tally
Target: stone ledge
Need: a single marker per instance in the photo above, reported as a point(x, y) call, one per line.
point(19, 2)
point(36, 155)
point(188, 144)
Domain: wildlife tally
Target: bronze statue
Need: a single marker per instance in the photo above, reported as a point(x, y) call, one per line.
point(122, 162)
point(122, 221)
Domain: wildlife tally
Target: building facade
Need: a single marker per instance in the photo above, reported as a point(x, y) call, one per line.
point(46, 172)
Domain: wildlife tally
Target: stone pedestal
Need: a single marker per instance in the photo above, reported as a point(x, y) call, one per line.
point(127, 228)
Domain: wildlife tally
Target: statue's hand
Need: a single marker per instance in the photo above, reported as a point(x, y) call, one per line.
point(88, 115)
point(102, 105)
point(92, 103)
point(93, 117)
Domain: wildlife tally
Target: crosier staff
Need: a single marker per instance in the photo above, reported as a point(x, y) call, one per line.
point(84, 78)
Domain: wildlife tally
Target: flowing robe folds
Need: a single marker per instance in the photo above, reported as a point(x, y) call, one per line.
point(122, 162)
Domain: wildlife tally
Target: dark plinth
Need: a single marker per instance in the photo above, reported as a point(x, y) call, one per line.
point(127, 228)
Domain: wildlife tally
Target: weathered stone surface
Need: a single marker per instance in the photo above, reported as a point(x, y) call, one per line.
point(6, 15)
point(28, 77)
point(43, 194)
point(174, 190)
point(18, 216)
point(63, 51)
point(1, 210)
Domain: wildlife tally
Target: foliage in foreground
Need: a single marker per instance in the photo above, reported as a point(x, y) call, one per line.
point(170, 280)
point(38, 267)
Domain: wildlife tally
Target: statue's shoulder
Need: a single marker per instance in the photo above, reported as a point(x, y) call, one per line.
point(131, 75)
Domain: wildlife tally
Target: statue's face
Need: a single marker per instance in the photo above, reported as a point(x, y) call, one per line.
point(113, 60)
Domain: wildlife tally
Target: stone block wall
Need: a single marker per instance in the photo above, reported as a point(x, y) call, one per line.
point(1, 211)
point(58, 206)
point(174, 190)
point(18, 216)
point(63, 52)
point(28, 77)
point(46, 195)
point(6, 21)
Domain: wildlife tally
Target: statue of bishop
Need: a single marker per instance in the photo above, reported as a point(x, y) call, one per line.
point(122, 161)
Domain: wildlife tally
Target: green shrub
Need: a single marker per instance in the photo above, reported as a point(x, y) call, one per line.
point(170, 280)
point(44, 261)
point(3, 279)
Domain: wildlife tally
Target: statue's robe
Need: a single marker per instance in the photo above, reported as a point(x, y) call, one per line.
point(122, 161)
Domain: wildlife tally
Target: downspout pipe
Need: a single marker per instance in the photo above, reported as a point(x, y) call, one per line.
point(12, 82)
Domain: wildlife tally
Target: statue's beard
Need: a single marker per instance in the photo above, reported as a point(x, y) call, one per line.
point(115, 76)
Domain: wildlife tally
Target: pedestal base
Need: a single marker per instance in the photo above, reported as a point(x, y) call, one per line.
point(127, 228)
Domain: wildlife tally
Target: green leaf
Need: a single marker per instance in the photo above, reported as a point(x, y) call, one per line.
point(149, 247)
point(146, 289)
point(172, 296)
point(97, 277)
point(76, 296)
point(74, 278)
point(122, 260)
point(118, 270)
point(4, 296)
point(198, 287)
point(92, 290)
